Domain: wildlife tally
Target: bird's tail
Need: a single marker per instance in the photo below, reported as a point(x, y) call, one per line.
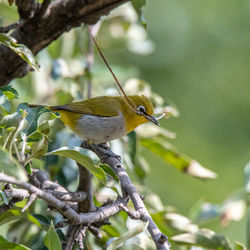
point(38, 105)
point(35, 105)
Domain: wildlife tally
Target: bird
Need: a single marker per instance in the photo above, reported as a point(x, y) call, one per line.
point(102, 119)
point(99, 120)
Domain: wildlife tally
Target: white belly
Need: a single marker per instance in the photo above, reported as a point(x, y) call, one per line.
point(96, 129)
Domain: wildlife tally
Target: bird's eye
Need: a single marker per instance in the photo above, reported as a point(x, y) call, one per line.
point(141, 109)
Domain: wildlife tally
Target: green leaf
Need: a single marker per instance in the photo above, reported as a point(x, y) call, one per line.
point(120, 241)
point(4, 197)
point(51, 239)
point(11, 167)
point(30, 116)
point(44, 128)
point(132, 145)
point(40, 148)
point(16, 214)
point(10, 92)
point(173, 157)
point(141, 167)
point(20, 50)
point(239, 246)
point(11, 120)
point(77, 154)
point(234, 208)
point(4, 102)
point(6, 245)
point(139, 6)
point(108, 170)
point(180, 223)
point(203, 238)
point(28, 169)
point(151, 130)
point(43, 220)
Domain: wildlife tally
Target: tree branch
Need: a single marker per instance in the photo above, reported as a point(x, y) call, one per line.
point(128, 188)
point(26, 8)
point(39, 26)
point(73, 217)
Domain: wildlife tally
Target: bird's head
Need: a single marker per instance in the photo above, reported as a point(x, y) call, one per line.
point(143, 113)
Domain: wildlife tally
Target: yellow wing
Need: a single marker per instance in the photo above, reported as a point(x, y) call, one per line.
point(99, 106)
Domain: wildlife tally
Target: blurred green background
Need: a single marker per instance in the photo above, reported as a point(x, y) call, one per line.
point(200, 62)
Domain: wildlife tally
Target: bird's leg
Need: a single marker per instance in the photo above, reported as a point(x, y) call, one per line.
point(105, 148)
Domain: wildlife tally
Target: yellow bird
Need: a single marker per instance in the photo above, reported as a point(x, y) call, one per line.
point(105, 118)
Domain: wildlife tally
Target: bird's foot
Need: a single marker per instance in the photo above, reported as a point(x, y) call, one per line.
point(105, 149)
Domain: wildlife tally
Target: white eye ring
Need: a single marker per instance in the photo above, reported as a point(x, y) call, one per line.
point(141, 109)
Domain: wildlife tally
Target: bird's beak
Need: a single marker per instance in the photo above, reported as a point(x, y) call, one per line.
point(152, 119)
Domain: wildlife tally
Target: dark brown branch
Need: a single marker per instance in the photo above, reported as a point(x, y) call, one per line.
point(44, 8)
point(37, 31)
point(85, 185)
point(26, 8)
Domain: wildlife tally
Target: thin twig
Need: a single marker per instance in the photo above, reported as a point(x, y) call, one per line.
point(32, 198)
point(95, 232)
point(80, 235)
point(89, 62)
point(99, 215)
point(135, 215)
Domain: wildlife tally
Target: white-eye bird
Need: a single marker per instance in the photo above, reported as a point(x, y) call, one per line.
point(105, 118)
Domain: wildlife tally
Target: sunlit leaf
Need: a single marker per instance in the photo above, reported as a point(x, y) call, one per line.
point(239, 246)
point(44, 128)
point(180, 223)
point(204, 238)
point(118, 242)
point(150, 130)
point(51, 239)
point(20, 50)
point(77, 154)
point(10, 92)
point(233, 209)
point(173, 157)
point(6, 245)
point(11, 120)
point(39, 148)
